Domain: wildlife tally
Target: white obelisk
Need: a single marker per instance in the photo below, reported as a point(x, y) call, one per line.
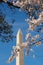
point(20, 57)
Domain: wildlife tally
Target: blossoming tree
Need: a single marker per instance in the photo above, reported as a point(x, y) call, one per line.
point(34, 9)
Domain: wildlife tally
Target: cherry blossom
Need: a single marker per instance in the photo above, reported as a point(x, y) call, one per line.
point(38, 43)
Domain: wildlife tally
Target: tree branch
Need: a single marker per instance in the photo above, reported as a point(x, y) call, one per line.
point(36, 42)
point(9, 4)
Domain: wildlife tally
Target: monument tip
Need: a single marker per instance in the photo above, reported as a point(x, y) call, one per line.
point(19, 31)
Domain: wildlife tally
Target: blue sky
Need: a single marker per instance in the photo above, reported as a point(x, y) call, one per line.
point(5, 48)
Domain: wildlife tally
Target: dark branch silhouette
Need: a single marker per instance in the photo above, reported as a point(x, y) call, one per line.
point(9, 3)
point(6, 32)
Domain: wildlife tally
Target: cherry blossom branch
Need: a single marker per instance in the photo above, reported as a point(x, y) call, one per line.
point(34, 43)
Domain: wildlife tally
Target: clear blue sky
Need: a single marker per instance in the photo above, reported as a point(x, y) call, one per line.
point(5, 48)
